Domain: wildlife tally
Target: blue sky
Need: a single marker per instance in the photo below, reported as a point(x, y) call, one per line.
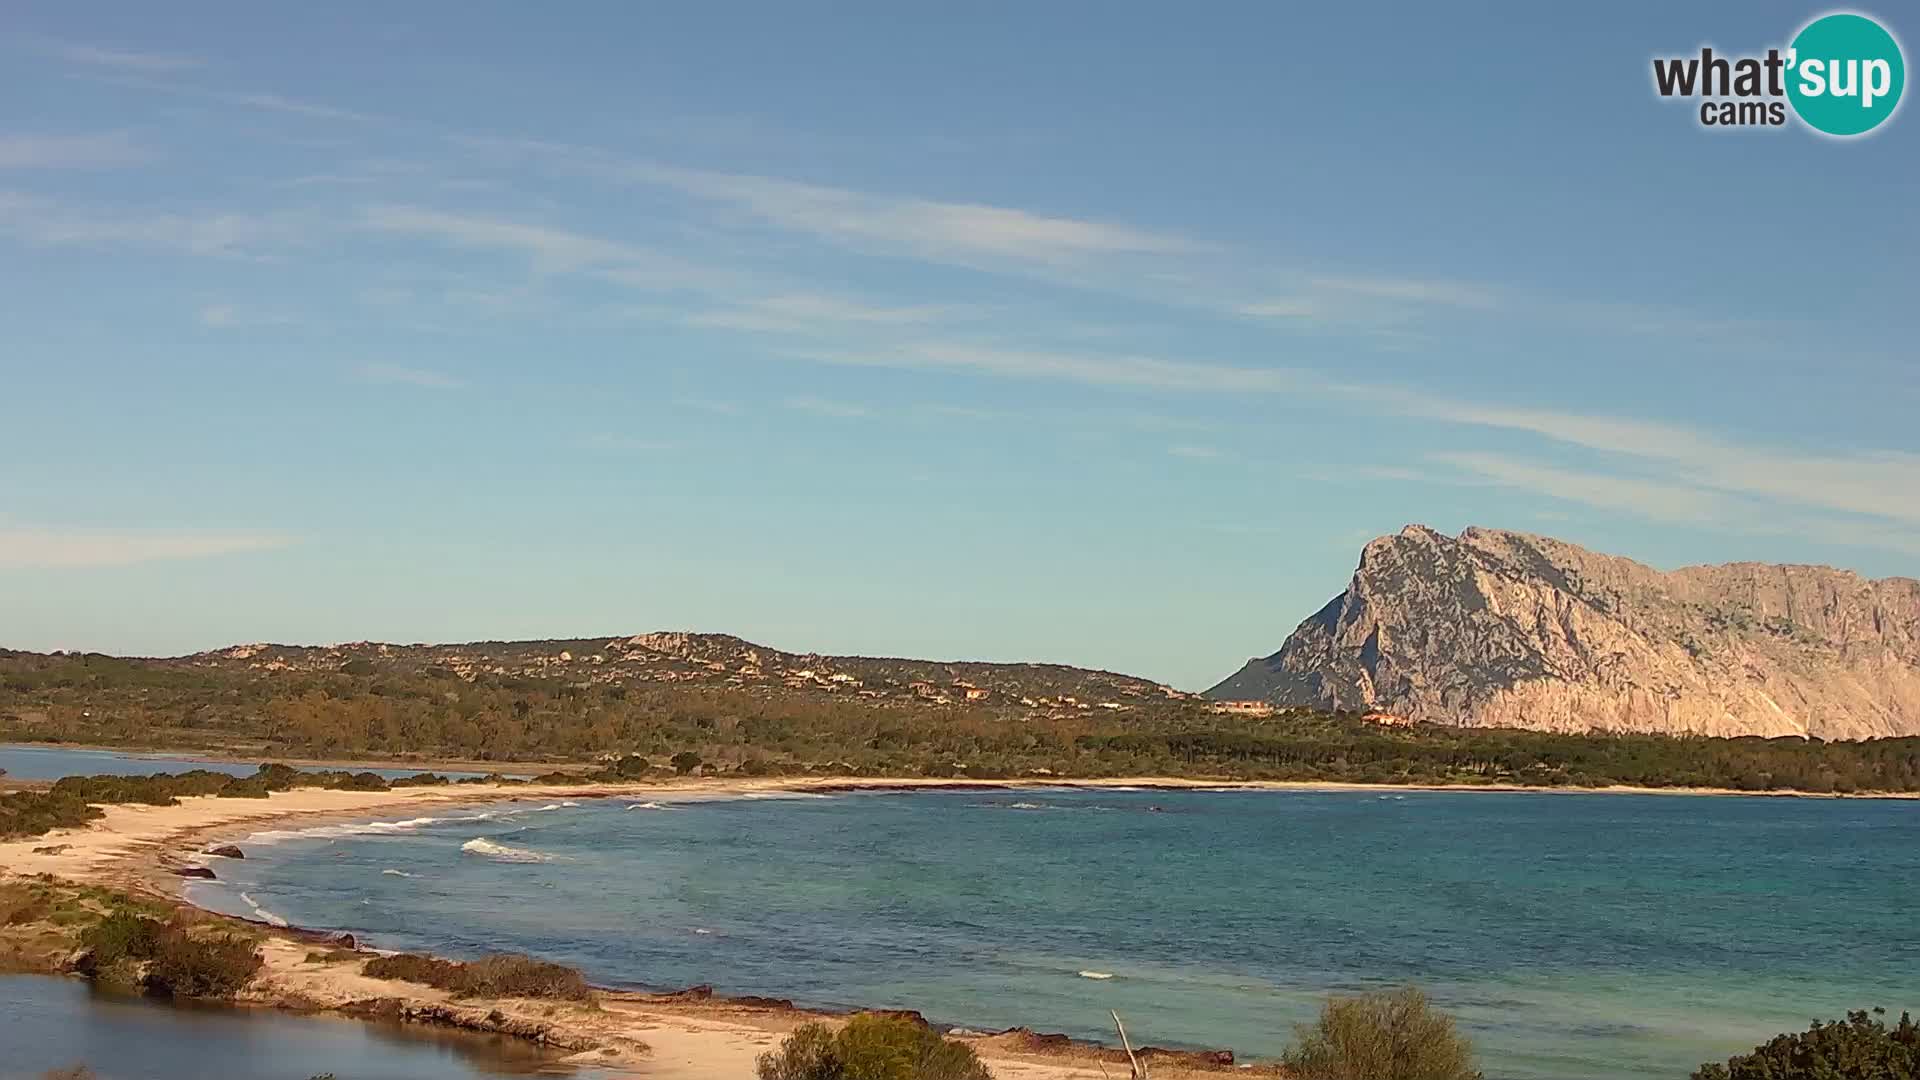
point(1094, 333)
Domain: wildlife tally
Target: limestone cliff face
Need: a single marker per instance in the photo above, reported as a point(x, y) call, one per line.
point(1504, 629)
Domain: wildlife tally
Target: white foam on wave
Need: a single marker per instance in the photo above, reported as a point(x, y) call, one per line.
point(359, 828)
point(482, 846)
point(397, 873)
point(780, 795)
point(1095, 974)
point(261, 913)
point(648, 806)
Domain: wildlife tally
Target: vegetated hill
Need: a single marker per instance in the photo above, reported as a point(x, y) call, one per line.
point(1505, 629)
point(713, 660)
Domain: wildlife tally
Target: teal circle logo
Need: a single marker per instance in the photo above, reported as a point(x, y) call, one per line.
point(1845, 74)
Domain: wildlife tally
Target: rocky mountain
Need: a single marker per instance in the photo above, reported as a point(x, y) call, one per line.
point(1505, 629)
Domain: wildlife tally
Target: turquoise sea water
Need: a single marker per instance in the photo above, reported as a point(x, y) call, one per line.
point(1575, 936)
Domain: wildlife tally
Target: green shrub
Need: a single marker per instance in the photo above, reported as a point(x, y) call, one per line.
point(123, 935)
point(501, 975)
point(1860, 1047)
point(425, 779)
point(871, 1048)
point(211, 966)
point(1393, 1035)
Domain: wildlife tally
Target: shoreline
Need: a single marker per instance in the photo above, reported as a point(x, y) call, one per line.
point(813, 782)
point(692, 1034)
point(139, 849)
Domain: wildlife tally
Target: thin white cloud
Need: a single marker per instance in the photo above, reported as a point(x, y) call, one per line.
point(806, 313)
point(44, 548)
point(1195, 453)
point(1878, 483)
point(1660, 501)
point(283, 104)
point(100, 151)
point(958, 232)
point(153, 63)
point(233, 317)
point(710, 405)
point(1292, 307)
point(551, 250)
point(819, 406)
point(1117, 371)
point(1681, 503)
point(1884, 484)
point(1444, 293)
point(629, 444)
point(407, 376)
point(46, 222)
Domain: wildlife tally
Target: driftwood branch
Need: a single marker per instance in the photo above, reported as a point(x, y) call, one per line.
point(1136, 1069)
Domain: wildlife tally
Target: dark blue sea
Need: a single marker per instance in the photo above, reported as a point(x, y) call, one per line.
point(1575, 936)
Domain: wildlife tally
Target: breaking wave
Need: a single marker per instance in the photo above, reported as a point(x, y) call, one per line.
point(482, 846)
point(359, 828)
point(261, 913)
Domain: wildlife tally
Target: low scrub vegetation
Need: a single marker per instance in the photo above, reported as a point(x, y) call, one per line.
point(1861, 1047)
point(169, 957)
point(1393, 1035)
point(501, 975)
point(392, 708)
point(75, 800)
point(871, 1047)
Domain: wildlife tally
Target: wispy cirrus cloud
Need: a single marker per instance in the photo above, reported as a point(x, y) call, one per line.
point(394, 374)
point(553, 250)
point(801, 313)
point(1388, 301)
point(937, 230)
point(116, 58)
point(234, 317)
point(99, 151)
point(612, 442)
point(1879, 484)
point(819, 406)
point(57, 548)
point(1682, 503)
point(48, 222)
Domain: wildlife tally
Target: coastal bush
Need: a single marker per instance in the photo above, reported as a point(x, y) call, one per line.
point(500, 975)
point(1390, 1035)
point(32, 813)
point(177, 961)
point(1861, 1047)
point(871, 1047)
point(213, 965)
point(684, 762)
point(425, 779)
point(122, 935)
